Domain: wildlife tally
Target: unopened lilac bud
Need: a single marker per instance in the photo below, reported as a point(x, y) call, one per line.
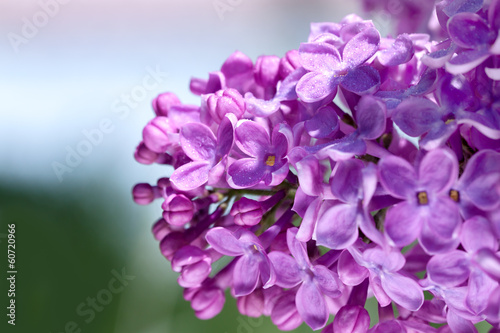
point(161, 229)
point(143, 194)
point(289, 63)
point(351, 319)
point(266, 71)
point(178, 209)
point(163, 102)
point(285, 314)
point(208, 302)
point(171, 243)
point(224, 102)
point(252, 305)
point(194, 264)
point(156, 134)
point(144, 155)
point(247, 212)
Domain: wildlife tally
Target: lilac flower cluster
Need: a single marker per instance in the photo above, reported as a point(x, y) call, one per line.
point(355, 166)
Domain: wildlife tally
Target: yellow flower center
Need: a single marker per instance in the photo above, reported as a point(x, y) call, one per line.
point(454, 195)
point(271, 159)
point(422, 198)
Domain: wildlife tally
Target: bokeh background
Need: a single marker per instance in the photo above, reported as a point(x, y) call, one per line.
point(65, 74)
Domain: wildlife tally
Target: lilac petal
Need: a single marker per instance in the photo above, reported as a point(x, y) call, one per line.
point(476, 234)
point(458, 324)
point(494, 14)
point(403, 291)
point(267, 271)
point(187, 255)
point(259, 107)
point(438, 135)
point(483, 162)
point(246, 172)
point(284, 314)
point(251, 305)
point(297, 248)
point(191, 175)
point(323, 124)
point(370, 118)
point(393, 326)
point(489, 262)
point(466, 61)
point(319, 57)
point(449, 269)
point(469, 30)
point(440, 229)
point(459, 6)
point(415, 116)
point(276, 177)
point(251, 138)
point(403, 223)
point(288, 273)
point(198, 141)
point(343, 149)
point(337, 228)
point(180, 115)
point(484, 191)
point(361, 47)
point(245, 275)
point(217, 172)
point(282, 139)
point(438, 179)
point(481, 286)
point(208, 303)
point(493, 73)
point(362, 80)
point(438, 59)
point(309, 174)
point(350, 272)
point(225, 135)
point(327, 281)
point(347, 181)
point(399, 53)
point(351, 319)
point(302, 202)
point(397, 176)
point(378, 291)
point(391, 261)
point(314, 87)
point(286, 90)
point(224, 242)
point(309, 219)
point(194, 275)
point(311, 305)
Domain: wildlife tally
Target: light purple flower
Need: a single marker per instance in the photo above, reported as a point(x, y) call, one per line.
point(328, 69)
point(382, 268)
point(427, 212)
point(209, 154)
point(253, 263)
point(267, 159)
point(316, 281)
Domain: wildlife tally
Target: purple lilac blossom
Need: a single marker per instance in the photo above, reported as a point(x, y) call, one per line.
point(354, 166)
